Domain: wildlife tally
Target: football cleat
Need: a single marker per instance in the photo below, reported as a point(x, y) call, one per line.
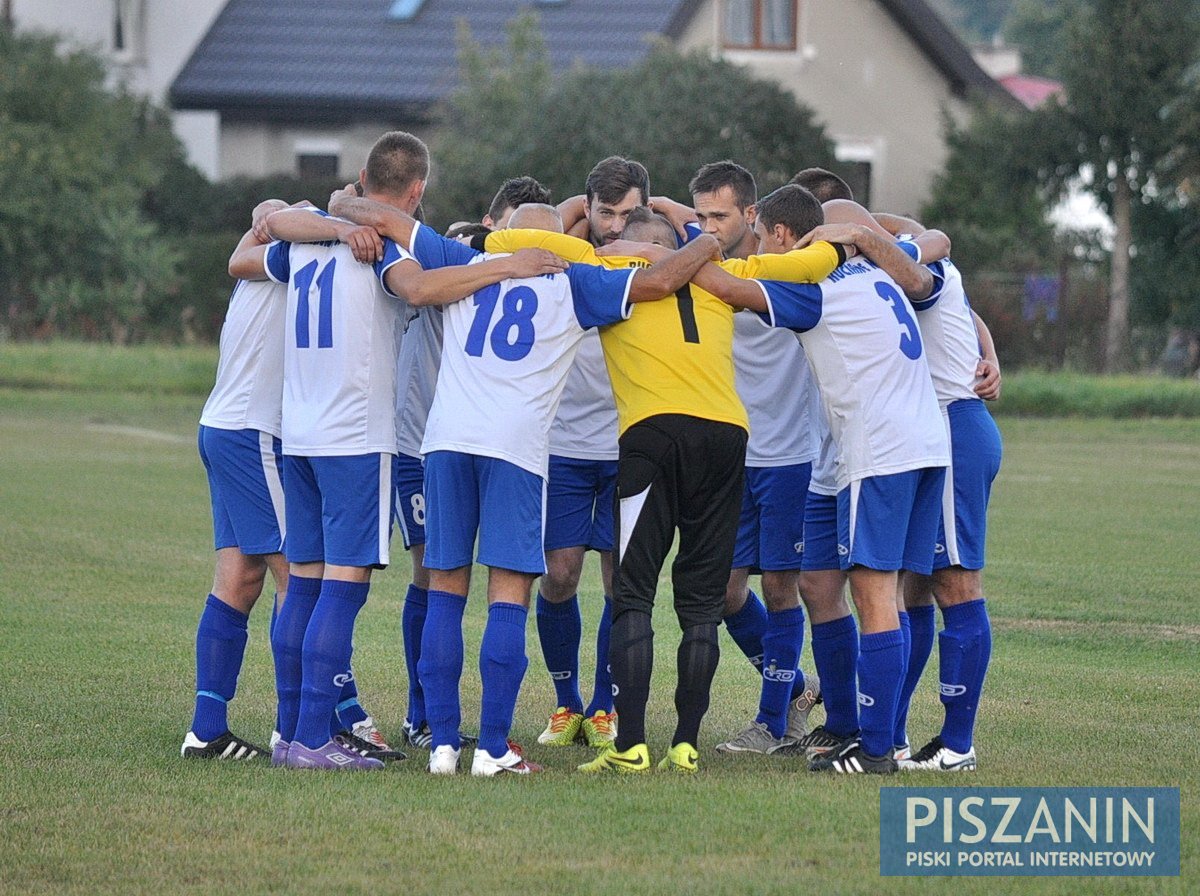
point(279, 753)
point(680, 759)
point(902, 753)
point(422, 738)
point(936, 757)
point(363, 747)
point(444, 760)
point(632, 761)
point(485, 765)
point(227, 746)
point(599, 729)
point(331, 756)
point(367, 731)
point(813, 744)
point(800, 707)
point(563, 728)
point(851, 759)
point(756, 738)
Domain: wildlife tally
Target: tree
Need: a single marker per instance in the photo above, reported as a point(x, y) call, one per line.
point(671, 112)
point(75, 160)
point(1125, 67)
point(1036, 27)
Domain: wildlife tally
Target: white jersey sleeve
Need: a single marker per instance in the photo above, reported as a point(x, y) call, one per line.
point(248, 392)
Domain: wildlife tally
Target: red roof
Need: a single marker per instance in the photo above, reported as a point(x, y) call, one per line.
point(1031, 90)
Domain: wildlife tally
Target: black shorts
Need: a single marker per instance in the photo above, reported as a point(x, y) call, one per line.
point(685, 473)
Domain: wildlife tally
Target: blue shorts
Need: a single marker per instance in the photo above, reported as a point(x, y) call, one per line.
point(408, 474)
point(579, 503)
point(246, 486)
point(890, 522)
point(467, 494)
point(975, 452)
point(339, 509)
point(820, 545)
point(771, 526)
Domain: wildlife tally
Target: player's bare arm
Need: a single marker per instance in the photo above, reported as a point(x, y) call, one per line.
point(386, 219)
point(304, 226)
point(730, 289)
point(934, 244)
point(987, 370)
point(444, 286)
point(916, 280)
point(665, 276)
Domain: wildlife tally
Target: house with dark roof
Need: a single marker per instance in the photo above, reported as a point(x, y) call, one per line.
point(308, 85)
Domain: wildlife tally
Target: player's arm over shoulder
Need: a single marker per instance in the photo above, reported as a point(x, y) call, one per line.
point(563, 245)
point(811, 264)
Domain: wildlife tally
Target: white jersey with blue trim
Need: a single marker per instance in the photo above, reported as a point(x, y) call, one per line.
point(416, 377)
point(948, 331)
point(824, 478)
point(506, 353)
point(866, 354)
point(248, 392)
point(776, 386)
point(341, 336)
point(585, 427)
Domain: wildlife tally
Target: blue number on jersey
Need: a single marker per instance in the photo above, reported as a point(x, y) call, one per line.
point(910, 336)
point(520, 305)
point(303, 282)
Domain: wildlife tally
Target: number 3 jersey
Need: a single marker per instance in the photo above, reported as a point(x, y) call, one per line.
point(341, 337)
point(506, 352)
point(866, 354)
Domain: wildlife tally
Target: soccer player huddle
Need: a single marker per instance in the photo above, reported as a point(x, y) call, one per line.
point(791, 385)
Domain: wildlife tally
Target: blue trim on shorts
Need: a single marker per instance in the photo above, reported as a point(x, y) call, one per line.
point(339, 509)
point(408, 475)
point(976, 451)
point(894, 523)
point(245, 485)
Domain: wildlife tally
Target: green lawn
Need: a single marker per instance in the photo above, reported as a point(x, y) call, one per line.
point(103, 516)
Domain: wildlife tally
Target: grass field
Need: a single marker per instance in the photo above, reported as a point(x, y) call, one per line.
point(1093, 565)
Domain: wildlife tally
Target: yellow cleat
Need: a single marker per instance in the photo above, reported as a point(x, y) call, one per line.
point(600, 729)
point(681, 759)
point(632, 761)
point(563, 728)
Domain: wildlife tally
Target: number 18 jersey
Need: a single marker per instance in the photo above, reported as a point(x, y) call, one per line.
point(506, 351)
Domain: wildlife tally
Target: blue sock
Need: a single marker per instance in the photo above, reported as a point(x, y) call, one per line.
point(965, 648)
point(220, 644)
point(880, 670)
point(900, 732)
point(412, 624)
point(602, 696)
point(349, 711)
point(328, 645)
point(918, 625)
point(746, 627)
point(287, 646)
point(781, 654)
point(560, 629)
point(502, 664)
point(271, 641)
point(835, 654)
point(441, 664)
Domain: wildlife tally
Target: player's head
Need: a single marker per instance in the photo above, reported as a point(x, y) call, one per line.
point(397, 169)
point(723, 194)
point(647, 226)
point(536, 216)
point(823, 184)
point(847, 211)
point(514, 192)
point(614, 188)
point(784, 216)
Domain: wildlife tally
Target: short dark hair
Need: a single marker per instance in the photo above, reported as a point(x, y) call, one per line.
point(615, 176)
point(396, 162)
point(792, 206)
point(823, 184)
point(727, 173)
point(467, 228)
point(517, 191)
point(649, 224)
